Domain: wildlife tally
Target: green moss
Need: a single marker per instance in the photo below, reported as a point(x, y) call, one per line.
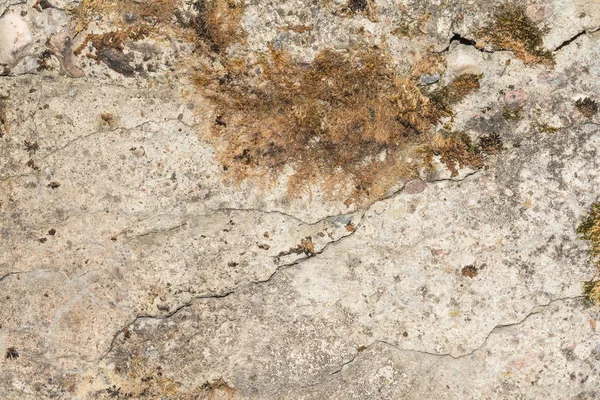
point(402, 30)
point(512, 114)
point(589, 229)
point(544, 128)
point(591, 220)
point(591, 291)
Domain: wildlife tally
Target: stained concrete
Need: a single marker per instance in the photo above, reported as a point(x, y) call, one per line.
point(130, 267)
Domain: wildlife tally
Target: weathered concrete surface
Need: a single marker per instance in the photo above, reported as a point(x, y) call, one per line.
point(129, 267)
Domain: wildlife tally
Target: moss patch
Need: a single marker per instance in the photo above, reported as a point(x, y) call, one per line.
point(587, 107)
point(136, 379)
point(511, 29)
point(358, 5)
point(512, 114)
point(125, 14)
point(457, 150)
point(345, 119)
point(218, 22)
point(347, 123)
point(456, 91)
point(589, 229)
point(209, 23)
point(351, 8)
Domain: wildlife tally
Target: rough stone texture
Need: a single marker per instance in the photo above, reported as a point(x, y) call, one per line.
point(129, 266)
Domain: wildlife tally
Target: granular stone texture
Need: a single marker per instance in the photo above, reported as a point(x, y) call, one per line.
point(437, 259)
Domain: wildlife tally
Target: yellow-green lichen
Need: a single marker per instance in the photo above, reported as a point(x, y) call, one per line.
point(589, 229)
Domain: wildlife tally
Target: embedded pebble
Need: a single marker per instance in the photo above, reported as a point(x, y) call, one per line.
point(515, 98)
point(464, 60)
point(429, 79)
point(15, 39)
point(416, 186)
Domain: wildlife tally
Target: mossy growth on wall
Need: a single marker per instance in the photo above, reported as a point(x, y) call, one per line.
point(346, 123)
point(589, 229)
point(347, 119)
point(511, 29)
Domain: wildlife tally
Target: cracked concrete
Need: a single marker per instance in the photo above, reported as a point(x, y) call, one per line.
point(129, 267)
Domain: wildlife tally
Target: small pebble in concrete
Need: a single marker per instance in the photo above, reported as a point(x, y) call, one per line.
point(515, 98)
point(414, 187)
point(539, 12)
point(464, 60)
point(429, 79)
point(15, 39)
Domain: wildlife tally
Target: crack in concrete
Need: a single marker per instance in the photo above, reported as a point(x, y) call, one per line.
point(120, 128)
point(229, 292)
point(8, 274)
point(362, 210)
point(467, 175)
point(9, 177)
point(315, 255)
point(160, 317)
point(457, 37)
point(299, 261)
point(575, 37)
point(266, 212)
point(536, 310)
point(157, 231)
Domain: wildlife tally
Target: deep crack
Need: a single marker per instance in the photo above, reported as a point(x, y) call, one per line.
point(575, 37)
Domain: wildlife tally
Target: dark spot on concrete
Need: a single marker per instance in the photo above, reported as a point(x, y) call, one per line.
point(117, 60)
point(11, 354)
point(357, 5)
point(32, 147)
point(469, 271)
point(587, 107)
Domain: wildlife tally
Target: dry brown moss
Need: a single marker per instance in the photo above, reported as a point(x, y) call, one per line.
point(125, 13)
point(115, 40)
point(345, 119)
point(215, 23)
point(217, 389)
point(347, 122)
point(457, 150)
point(587, 107)
point(430, 64)
point(218, 22)
point(589, 229)
point(456, 91)
point(511, 29)
point(131, 20)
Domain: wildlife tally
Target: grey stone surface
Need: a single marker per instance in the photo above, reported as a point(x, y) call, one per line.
point(128, 266)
